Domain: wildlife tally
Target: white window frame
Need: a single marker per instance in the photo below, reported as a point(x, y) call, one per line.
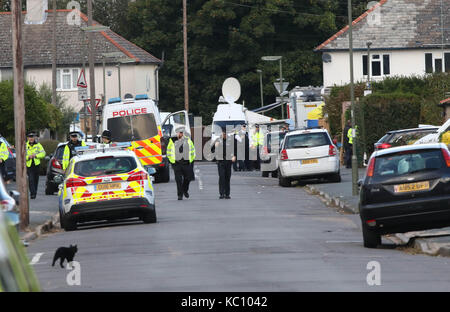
point(381, 60)
point(61, 72)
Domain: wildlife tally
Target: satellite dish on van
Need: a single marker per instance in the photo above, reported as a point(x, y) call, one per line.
point(231, 90)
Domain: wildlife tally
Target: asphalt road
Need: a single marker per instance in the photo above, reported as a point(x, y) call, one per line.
point(265, 238)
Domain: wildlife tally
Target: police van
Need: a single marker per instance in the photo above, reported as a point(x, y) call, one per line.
point(137, 120)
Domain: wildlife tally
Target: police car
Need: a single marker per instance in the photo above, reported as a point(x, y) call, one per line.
point(105, 182)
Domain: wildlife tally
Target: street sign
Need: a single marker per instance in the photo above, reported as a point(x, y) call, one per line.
point(82, 94)
point(81, 83)
point(97, 104)
point(277, 86)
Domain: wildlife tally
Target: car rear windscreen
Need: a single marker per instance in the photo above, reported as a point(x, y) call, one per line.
point(402, 163)
point(307, 140)
point(408, 138)
point(104, 166)
point(133, 128)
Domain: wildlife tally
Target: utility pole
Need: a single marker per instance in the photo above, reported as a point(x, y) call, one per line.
point(92, 74)
point(186, 80)
point(54, 56)
point(355, 189)
point(19, 112)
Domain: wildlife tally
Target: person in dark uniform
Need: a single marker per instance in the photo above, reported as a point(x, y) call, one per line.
point(4, 154)
point(347, 146)
point(181, 154)
point(106, 137)
point(69, 149)
point(226, 157)
point(35, 153)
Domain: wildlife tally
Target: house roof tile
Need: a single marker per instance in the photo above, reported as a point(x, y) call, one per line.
point(71, 45)
point(394, 24)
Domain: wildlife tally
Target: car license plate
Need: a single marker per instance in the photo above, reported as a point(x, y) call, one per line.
point(411, 187)
point(310, 161)
point(107, 186)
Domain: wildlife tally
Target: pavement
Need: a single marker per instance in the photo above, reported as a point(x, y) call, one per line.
point(43, 212)
point(434, 242)
point(265, 238)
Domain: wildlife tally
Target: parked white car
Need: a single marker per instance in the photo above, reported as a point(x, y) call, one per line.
point(308, 154)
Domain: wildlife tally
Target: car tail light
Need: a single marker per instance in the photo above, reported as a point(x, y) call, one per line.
point(446, 155)
point(383, 146)
point(6, 205)
point(56, 164)
point(138, 176)
point(371, 167)
point(332, 150)
point(73, 182)
point(265, 150)
point(371, 222)
point(284, 155)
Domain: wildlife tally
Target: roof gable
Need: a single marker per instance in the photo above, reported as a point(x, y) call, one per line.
point(71, 45)
point(397, 24)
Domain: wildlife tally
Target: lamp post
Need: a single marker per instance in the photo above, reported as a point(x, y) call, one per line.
point(90, 29)
point(355, 190)
point(261, 87)
point(104, 57)
point(122, 61)
point(368, 65)
point(277, 58)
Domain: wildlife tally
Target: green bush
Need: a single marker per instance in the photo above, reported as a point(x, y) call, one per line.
point(378, 113)
point(49, 147)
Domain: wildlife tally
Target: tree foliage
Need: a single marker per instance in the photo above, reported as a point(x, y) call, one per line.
point(40, 114)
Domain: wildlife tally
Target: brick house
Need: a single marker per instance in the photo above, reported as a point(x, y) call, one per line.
point(139, 76)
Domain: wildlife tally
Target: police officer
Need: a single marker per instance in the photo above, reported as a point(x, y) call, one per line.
point(258, 142)
point(4, 154)
point(69, 149)
point(35, 153)
point(227, 156)
point(348, 142)
point(106, 137)
point(181, 155)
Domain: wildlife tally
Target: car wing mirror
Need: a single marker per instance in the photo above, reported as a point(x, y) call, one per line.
point(58, 179)
point(151, 170)
point(16, 196)
point(360, 182)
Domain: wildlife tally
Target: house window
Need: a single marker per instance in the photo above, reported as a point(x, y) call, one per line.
point(66, 78)
point(438, 65)
point(447, 62)
point(428, 63)
point(380, 65)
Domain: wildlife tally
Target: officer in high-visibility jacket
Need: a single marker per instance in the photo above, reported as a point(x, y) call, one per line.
point(351, 134)
point(257, 143)
point(181, 155)
point(69, 149)
point(35, 153)
point(4, 154)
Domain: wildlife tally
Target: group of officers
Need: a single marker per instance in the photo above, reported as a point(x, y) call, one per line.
point(35, 153)
point(181, 154)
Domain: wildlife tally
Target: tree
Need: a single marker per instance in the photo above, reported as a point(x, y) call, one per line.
point(228, 38)
point(39, 113)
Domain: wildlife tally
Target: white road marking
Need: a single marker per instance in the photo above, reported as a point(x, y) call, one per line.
point(198, 178)
point(36, 258)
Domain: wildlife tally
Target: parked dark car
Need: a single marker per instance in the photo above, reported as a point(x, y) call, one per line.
point(403, 137)
point(405, 189)
point(54, 168)
point(10, 163)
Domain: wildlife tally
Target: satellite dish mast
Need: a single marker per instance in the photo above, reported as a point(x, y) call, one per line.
point(231, 90)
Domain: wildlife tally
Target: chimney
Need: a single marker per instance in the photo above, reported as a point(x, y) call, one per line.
point(36, 12)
